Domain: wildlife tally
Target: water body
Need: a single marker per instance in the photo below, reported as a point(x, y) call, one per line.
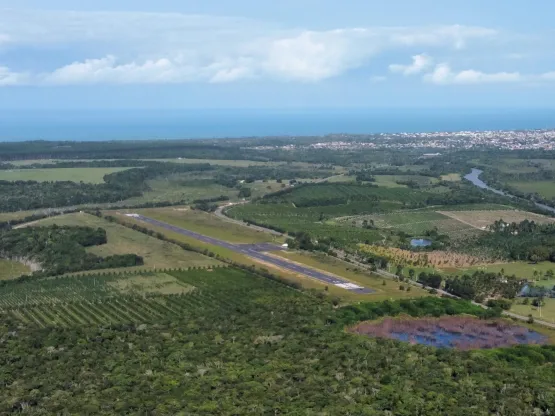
point(420, 242)
point(442, 338)
point(182, 124)
point(474, 177)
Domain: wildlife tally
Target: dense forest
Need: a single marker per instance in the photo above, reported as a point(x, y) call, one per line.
point(527, 240)
point(57, 250)
point(278, 352)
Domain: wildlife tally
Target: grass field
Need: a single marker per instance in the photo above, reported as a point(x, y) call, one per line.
point(10, 216)
point(544, 188)
point(481, 219)
point(90, 175)
point(206, 224)
point(520, 269)
point(32, 162)
point(390, 181)
point(416, 223)
point(547, 312)
point(452, 177)
point(236, 163)
point(157, 254)
point(173, 189)
point(351, 272)
point(12, 269)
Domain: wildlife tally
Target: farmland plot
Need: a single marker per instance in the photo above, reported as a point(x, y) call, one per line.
point(136, 298)
point(481, 219)
point(416, 223)
point(437, 258)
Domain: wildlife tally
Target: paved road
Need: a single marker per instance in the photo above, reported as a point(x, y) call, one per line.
point(254, 252)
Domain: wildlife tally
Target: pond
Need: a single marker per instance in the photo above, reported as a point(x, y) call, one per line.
point(460, 332)
point(420, 242)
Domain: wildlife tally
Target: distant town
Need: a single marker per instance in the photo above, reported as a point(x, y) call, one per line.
point(505, 140)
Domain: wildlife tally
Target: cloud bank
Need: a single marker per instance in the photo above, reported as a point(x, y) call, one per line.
point(170, 48)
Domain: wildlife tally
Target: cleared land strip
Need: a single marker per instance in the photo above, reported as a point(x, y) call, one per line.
point(252, 252)
point(481, 219)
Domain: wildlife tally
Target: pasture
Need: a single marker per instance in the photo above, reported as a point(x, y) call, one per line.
point(481, 219)
point(545, 188)
point(245, 163)
point(89, 175)
point(545, 313)
point(451, 177)
point(157, 254)
point(206, 224)
point(417, 222)
point(19, 215)
point(12, 269)
point(173, 191)
point(532, 271)
point(390, 181)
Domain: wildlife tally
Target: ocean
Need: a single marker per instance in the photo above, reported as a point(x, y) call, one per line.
point(184, 124)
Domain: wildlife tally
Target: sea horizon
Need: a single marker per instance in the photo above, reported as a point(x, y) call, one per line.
point(101, 125)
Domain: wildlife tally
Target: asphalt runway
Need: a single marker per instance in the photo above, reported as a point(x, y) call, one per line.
point(256, 251)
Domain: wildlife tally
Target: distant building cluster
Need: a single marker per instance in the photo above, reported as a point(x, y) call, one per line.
point(506, 140)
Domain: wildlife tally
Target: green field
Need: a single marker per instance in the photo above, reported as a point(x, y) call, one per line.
point(521, 269)
point(12, 269)
point(237, 163)
point(206, 224)
point(19, 215)
point(391, 180)
point(157, 254)
point(340, 268)
point(452, 177)
point(545, 313)
point(545, 188)
point(177, 188)
point(416, 223)
point(90, 175)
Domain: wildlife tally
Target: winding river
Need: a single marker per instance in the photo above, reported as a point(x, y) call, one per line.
point(474, 177)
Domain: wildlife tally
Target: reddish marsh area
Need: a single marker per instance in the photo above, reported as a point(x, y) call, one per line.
point(460, 332)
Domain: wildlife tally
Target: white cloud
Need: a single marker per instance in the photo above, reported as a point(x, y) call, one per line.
point(137, 48)
point(419, 64)
point(456, 35)
point(444, 75)
point(108, 71)
point(548, 76)
point(231, 74)
point(378, 78)
point(9, 78)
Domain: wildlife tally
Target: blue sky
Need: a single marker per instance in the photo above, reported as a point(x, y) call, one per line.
point(283, 54)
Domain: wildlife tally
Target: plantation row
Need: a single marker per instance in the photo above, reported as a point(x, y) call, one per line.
point(336, 194)
point(92, 301)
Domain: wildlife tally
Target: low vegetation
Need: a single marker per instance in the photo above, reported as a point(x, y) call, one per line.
point(156, 254)
point(60, 250)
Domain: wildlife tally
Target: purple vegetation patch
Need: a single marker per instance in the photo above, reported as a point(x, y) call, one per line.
point(460, 332)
